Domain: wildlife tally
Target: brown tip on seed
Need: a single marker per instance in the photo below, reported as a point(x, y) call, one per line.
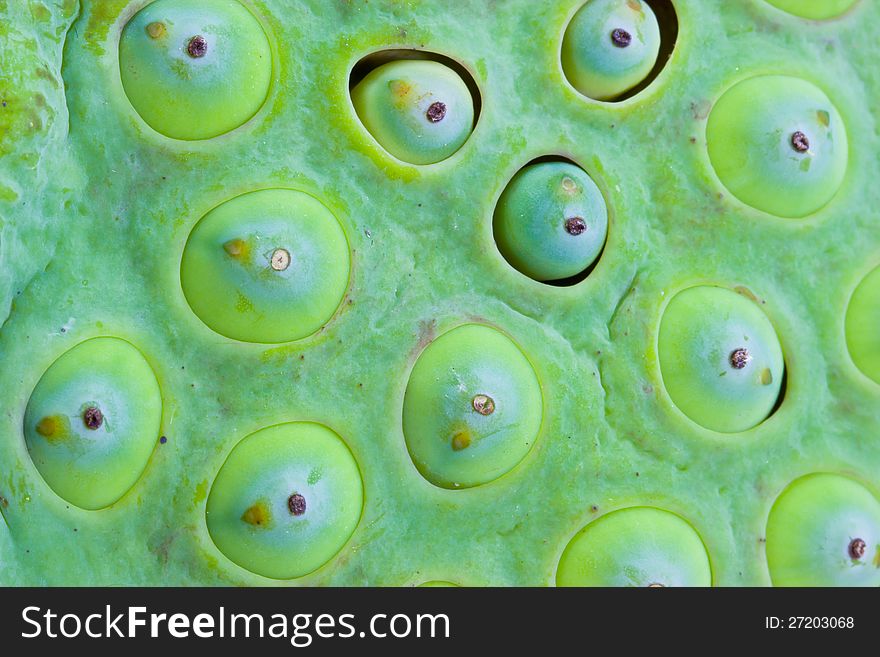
point(621, 38)
point(197, 46)
point(280, 259)
point(575, 225)
point(483, 404)
point(155, 29)
point(857, 548)
point(93, 418)
point(799, 142)
point(436, 112)
point(297, 504)
point(739, 358)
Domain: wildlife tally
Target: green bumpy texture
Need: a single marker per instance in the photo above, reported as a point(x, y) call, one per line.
point(97, 208)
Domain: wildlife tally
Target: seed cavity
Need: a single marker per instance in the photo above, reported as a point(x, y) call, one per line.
point(280, 259)
point(857, 548)
point(575, 225)
point(621, 38)
point(93, 418)
point(483, 404)
point(461, 440)
point(197, 47)
point(799, 142)
point(156, 29)
point(436, 112)
point(739, 358)
point(257, 515)
point(296, 503)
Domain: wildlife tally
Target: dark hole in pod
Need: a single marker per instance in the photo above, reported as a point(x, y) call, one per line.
point(667, 19)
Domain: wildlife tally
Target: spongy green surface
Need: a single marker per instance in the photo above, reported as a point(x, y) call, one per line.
point(95, 209)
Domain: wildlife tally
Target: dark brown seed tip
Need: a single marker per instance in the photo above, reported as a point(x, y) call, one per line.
point(857, 548)
point(436, 112)
point(799, 142)
point(575, 225)
point(621, 38)
point(197, 46)
point(93, 418)
point(739, 358)
point(297, 504)
point(483, 404)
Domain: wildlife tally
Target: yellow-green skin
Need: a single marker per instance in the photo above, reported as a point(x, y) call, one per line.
point(810, 530)
point(248, 513)
point(96, 209)
point(814, 9)
point(456, 440)
point(863, 326)
point(94, 467)
point(233, 280)
point(749, 135)
point(394, 103)
point(187, 97)
point(593, 63)
point(703, 330)
point(639, 546)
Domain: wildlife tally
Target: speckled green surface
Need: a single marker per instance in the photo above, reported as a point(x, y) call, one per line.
point(95, 209)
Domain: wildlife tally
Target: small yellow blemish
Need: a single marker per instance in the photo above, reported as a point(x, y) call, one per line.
point(824, 117)
point(257, 515)
point(236, 248)
point(766, 376)
point(156, 30)
point(52, 427)
point(461, 440)
point(569, 185)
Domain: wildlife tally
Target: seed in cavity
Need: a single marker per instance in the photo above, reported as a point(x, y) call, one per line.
point(197, 47)
point(436, 112)
point(156, 29)
point(93, 418)
point(739, 358)
point(857, 548)
point(297, 504)
point(461, 440)
point(799, 142)
point(575, 225)
point(280, 259)
point(621, 38)
point(483, 404)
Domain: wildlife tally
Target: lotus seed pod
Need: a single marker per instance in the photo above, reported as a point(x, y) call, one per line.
point(637, 546)
point(778, 144)
point(195, 69)
point(610, 46)
point(420, 111)
point(862, 322)
point(472, 408)
point(720, 358)
point(824, 530)
point(286, 500)
point(268, 266)
point(551, 221)
point(816, 10)
point(93, 420)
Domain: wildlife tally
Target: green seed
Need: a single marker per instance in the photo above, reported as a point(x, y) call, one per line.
point(92, 421)
point(195, 69)
point(862, 322)
point(551, 221)
point(269, 266)
point(720, 358)
point(419, 111)
point(455, 440)
point(778, 144)
point(824, 530)
point(637, 546)
point(610, 46)
point(256, 520)
point(816, 10)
